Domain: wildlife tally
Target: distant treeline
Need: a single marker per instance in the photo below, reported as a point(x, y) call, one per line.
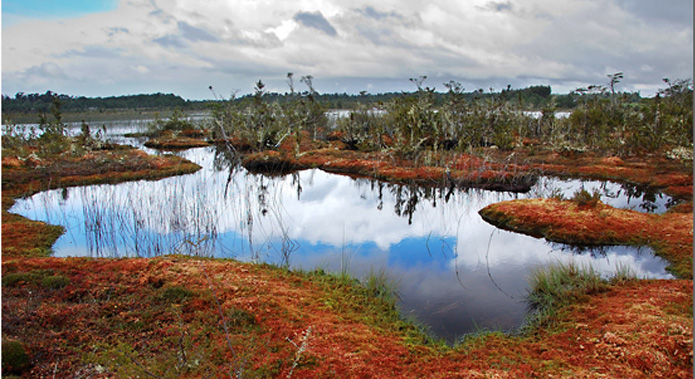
point(534, 97)
point(41, 103)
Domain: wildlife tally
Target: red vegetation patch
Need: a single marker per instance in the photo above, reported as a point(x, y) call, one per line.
point(22, 237)
point(269, 163)
point(11, 162)
point(384, 167)
point(105, 166)
point(670, 234)
point(126, 317)
point(176, 143)
point(642, 329)
point(667, 175)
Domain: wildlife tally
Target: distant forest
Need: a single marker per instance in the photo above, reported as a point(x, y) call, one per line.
point(41, 103)
point(532, 98)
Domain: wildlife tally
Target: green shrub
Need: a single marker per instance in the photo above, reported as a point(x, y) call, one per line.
point(15, 278)
point(266, 124)
point(55, 282)
point(45, 278)
point(15, 359)
point(583, 198)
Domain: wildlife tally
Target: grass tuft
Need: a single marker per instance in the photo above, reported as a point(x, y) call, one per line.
point(623, 274)
point(380, 285)
point(560, 284)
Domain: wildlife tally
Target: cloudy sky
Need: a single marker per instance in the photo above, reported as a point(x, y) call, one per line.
point(119, 47)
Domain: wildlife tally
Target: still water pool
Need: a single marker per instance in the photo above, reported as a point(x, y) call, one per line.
point(454, 272)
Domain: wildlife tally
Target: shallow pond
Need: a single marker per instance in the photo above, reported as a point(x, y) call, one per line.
point(454, 272)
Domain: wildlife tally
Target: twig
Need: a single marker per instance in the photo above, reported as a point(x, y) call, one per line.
point(487, 262)
point(300, 349)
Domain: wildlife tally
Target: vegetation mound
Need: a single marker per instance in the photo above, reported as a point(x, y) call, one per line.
point(573, 222)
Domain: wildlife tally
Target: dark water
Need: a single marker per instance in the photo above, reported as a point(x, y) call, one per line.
point(455, 273)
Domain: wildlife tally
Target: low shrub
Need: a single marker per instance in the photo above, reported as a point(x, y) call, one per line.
point(45, 278)
point(240, 318)
point(55, 282)
point(15, 278)
point(15, 359)
point(584, 199)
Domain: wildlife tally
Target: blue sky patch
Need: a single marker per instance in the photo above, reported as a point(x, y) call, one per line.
point(14, 11)
point(414, 251)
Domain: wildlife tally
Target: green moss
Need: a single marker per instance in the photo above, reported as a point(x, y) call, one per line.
point(15, 278)
point(55, 282)
point(32, 277)
point(15, 359)
point(44, 278)
point(175, 294)
point(239, 318)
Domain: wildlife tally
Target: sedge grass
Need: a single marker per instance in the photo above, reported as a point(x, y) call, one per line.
point(560, 284)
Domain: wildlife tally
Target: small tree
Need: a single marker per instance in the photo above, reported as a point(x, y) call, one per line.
point(53, 137)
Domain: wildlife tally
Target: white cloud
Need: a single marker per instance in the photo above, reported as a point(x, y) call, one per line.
point(283, 30)
point(480, 43)
point(141, 69)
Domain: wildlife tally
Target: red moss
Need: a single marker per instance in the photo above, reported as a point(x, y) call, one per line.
point(639, 329)
point(335, 135)
point(176, 143)
point(383, 167)
point(650, 171)
point(269, 162)
point(612, 161)
point(237, 143)
point(11, 162)
point(670, 234)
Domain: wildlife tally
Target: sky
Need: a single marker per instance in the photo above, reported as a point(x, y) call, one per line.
point(121, 47)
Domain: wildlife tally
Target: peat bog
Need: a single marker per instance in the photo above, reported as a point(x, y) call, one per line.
point(271, 304)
